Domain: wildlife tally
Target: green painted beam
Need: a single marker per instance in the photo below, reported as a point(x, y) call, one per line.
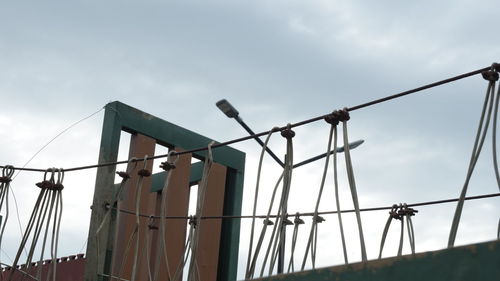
point(472, 262)
point(158, 179)
point(134, 120)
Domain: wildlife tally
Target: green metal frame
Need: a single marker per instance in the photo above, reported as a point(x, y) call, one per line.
point(120, 117)
point(472, 262)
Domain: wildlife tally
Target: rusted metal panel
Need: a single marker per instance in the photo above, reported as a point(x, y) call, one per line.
point(68, 269)
point(472, 262)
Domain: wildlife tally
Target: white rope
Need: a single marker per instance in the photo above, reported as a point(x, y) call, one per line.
point(138, 192)
point(168, 166)
point(280, 226)
point(252, 228)
point(266, 222)
point(392, 215)
point(337, 197)
point(478, 144)
point(297, 222)
point(193, 274)
point(7, 173)
point(314, 225)
point(352, 186)
point(48, 207)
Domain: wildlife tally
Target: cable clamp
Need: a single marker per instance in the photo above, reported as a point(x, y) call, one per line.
point(298, 220)
point(123, 175)
point(7, 173)
point(193, 220)
point(268, 222)
point(151, 223)
point(490, 75)
point(288, 133)
point(144, 173)
point(167, 166)
point(287, 222)
point(318, 219)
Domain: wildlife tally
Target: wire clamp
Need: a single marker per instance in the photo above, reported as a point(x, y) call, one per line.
point(268, 222)
point(288, 133)
point(123, 175)
point(144, 173)
point(297, 219)
point(287, 222)
point(318, 219)
point(490, 75)
point(167, 166)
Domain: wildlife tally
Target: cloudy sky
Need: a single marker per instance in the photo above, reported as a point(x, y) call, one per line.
point(277, 62)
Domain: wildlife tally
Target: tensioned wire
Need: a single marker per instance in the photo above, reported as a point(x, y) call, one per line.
point(495, 66)
point(310, 214)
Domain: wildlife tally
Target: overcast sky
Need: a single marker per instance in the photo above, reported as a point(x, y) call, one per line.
point(277, 62)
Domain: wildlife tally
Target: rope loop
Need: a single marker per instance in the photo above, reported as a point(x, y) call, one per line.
point(7, 173)
point(288, 133)
point(51, 183)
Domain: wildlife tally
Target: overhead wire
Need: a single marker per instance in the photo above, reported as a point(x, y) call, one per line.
point(293, 125)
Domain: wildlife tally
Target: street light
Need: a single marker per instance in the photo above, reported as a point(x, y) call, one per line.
point(230, 111)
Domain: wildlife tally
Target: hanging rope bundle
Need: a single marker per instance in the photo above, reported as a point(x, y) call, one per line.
point(334, 119)
point(400, 212)
point(256, 196)
point(47, 212)
point(194, 274)
point(5, 179)
point(491, 76)
point(281, 221)
point(168, 166)
point(344, 117)
point(313, 234)
point(297, 222)
point(135, 233)
point(115, 205)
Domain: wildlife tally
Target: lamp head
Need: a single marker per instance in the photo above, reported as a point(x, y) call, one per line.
point(227, 108)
